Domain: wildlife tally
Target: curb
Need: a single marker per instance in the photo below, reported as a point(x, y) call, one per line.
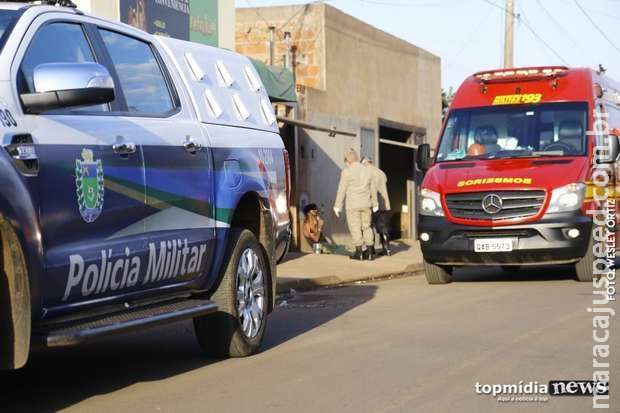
point(305, 284)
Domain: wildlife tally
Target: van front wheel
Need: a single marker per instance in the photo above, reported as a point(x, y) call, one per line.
point(585, 267)
point(436, 274)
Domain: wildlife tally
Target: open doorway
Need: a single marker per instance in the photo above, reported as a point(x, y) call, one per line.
point(397, 143)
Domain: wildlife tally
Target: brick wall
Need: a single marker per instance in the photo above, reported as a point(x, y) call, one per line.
point(304, 22)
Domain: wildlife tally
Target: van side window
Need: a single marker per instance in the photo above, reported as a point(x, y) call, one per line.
point(59, 42)
point(140, 75)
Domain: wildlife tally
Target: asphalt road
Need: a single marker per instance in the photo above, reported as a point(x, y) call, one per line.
point(397, 345)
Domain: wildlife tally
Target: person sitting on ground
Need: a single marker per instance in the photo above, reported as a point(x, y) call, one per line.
point(313, 224)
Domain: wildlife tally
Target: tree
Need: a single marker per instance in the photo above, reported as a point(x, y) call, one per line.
point(446, 98)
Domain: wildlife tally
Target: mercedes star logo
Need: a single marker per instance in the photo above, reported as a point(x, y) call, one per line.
point(492, 204)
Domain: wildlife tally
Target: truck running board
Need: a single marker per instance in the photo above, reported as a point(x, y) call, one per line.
point(67, 334)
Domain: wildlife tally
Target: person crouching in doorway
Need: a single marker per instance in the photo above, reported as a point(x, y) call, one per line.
point(357, 191)
point(313, 227)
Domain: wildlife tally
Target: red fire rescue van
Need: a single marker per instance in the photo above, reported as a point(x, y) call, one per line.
point(511, 180)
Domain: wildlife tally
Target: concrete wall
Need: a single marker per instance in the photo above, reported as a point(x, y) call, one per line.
point(321, 162)
point(372, 74)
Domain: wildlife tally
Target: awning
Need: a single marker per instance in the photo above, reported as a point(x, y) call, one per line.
point(278, 81)
point(333, 131)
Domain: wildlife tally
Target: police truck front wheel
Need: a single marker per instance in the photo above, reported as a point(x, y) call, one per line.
point(436, 274)
point(237, 328)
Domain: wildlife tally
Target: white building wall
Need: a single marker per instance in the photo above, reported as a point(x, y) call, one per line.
point(108, 9)
point(226, 24)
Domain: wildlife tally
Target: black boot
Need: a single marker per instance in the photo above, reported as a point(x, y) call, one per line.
point(370, 253)
point(358, 254)
point(385, 243)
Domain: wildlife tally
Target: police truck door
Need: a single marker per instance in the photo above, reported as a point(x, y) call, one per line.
point(179, 191)
point(90, 180)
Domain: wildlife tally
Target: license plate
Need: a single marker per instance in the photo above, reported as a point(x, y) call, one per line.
point(493, 245)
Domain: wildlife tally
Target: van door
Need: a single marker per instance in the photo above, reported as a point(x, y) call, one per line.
point(90, 180)
point(178, 171)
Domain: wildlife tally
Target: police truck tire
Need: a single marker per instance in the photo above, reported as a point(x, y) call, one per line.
point(226, 333)
point(436, 274)
point(585, 267)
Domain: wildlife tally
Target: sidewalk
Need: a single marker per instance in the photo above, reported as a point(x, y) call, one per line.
point(307, 271)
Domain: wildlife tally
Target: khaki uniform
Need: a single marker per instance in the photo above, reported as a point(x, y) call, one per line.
point(357, 186)
point(380, 181)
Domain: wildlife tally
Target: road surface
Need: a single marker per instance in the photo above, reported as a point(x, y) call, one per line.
point(392, 346)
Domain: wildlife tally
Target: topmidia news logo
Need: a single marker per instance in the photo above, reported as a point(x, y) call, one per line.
point(534, 391)
point(578, 388)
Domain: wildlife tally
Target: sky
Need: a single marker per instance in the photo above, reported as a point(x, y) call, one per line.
point(468, 35)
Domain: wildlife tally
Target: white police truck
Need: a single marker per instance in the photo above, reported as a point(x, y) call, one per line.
point(143, 182)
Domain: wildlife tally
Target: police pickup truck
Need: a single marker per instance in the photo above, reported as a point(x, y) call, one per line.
point(143, 182)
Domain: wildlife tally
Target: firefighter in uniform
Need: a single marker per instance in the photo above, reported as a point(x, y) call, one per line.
point(357, 186)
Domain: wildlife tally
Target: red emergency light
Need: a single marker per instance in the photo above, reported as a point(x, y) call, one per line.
point(524, 74)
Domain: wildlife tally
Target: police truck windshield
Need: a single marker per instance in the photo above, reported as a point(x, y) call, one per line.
point(552, 129)
point(6, 19)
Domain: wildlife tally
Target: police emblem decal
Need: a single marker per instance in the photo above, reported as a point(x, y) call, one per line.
point(89, 184)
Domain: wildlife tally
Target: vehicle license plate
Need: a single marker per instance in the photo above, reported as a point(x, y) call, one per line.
point(493, 245)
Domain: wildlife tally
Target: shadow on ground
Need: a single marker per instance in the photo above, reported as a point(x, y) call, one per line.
point(397, 246)
point(525, 273)
point(58, 378)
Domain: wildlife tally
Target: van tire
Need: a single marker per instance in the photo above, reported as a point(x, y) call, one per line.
point(436, 274)
point(585, 266)
point(221, 334)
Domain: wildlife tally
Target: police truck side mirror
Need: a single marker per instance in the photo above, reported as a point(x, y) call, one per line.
point(66, 85)
point(423, 157)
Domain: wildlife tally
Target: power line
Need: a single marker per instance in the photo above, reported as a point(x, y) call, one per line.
point(555, 21)
point(544, 43)
point(409, 4)
point(260, 16)
point(598, 29)
point(302, 8)
point(531, 29)
point(603, 13)
point(469, 38)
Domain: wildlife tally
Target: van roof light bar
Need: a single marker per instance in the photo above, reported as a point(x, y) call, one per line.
point(526, 73)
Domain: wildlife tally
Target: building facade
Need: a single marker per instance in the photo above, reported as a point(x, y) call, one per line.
point(382, 92)
point(209, 22)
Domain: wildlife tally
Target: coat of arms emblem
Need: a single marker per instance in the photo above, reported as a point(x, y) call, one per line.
point(89, 185)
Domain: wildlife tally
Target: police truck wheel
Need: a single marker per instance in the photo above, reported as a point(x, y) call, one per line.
point(585, 267)
point(237, 328)
point(436, 274)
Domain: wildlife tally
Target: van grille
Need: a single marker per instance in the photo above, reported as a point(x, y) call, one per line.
point(515, 204)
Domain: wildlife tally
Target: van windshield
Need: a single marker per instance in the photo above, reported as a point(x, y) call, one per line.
point(551, 129)
point(7, 18)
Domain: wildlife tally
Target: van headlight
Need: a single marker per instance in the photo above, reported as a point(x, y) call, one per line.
point(430, 203)
point(567, 198)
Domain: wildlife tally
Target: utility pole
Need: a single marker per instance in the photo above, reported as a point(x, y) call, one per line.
point(509, 34)
point(287, 55)
point(272, 47)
